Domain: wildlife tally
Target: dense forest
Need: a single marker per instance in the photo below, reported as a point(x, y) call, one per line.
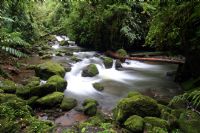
point(43, 44)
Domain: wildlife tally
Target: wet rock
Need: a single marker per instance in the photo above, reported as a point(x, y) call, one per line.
point(48, 69)
point(98, 86)
point(75, 59)
point(90, 71)
point(8, 86)
point(64, 43)
point(90, 107)
point(136, 105)
point(68, 103)
point(51, 100)
point(134, 123)
point(108, 62)
point(118, 64)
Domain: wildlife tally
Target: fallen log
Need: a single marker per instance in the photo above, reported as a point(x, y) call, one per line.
point(116, 56)
point(147, 54)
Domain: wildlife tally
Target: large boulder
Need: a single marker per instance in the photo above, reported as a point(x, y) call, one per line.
point(59, 82)
point(134, 123)
point(68, 103)
point(8, 86)
point(108, 62)
point(33, 88)
point(48, 69)
point(136, 104)
point(90, 71)
point(90, 107)
point(51, 100)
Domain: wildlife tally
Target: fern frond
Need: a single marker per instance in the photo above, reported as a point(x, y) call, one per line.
point(13, 51)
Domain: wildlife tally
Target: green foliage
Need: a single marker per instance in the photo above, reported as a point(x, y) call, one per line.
point(175, 26)
point(105, 26)
point(193, 98)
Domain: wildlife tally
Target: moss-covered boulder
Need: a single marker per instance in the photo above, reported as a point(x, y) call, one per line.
point(135, 105)
point(59, 82)
point(27, 92)
point(90, 107)
point(134, 123)
point(156, 122)
point(48, 69)
point(51, 100)
point(8, 86)
point(68, 103)
point(122, 52)
point(54, 83)
point(108, 62)
point(98, 86)
point(90, 71)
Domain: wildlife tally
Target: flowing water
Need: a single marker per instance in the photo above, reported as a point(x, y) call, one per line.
point(146, 77)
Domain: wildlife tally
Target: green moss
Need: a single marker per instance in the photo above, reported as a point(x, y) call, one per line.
point(156, 122)
point(90, 107)
point(59, 82)
point(8, 86)
point(136, 105)
point(98, 86)
point(33, 81)
point(16, 117)
point(32, 101)
point(98, 123)
point(122, 52)
point(108, 62)
point(86, 101)
point(68, 103)
point(27, 92)
point(90, 71)
point(54, 83)
point(134, 123)
point(133, 93)
point(51, 100)
point(48, 69)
